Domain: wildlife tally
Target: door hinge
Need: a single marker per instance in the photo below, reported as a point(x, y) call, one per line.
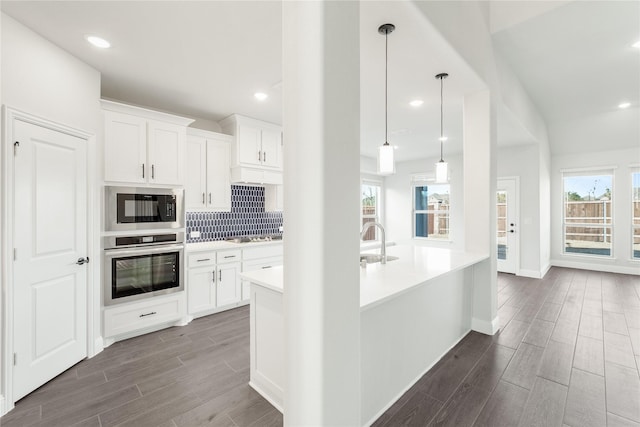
point(15, 147)
point(15, 359)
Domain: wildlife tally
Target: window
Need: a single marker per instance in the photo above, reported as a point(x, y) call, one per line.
point(431, 211)
point(635, 198)
point(371, 204)
point(588, 220)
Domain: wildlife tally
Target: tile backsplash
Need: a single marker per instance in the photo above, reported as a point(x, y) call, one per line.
point(247, 217)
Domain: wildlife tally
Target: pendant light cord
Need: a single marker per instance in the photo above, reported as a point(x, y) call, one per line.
point(386, 60)
point(441, 120)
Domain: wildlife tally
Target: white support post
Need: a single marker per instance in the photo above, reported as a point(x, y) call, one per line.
point(321, 182)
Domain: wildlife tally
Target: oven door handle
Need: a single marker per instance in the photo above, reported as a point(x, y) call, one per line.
point(143, 251)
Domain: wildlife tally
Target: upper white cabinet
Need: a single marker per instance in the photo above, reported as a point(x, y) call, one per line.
point(257, 144)
point(207, 184)
point(143, 146)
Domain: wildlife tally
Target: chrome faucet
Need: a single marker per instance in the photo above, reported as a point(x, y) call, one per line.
point(383, 247)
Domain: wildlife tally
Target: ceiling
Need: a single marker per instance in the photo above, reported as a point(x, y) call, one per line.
point(205, 59)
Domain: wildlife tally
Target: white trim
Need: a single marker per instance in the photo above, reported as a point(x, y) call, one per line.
point(534, 274)
point(3, 410)
point(9, 115)
point(209, 134)
point(266, 396)
point(412, 383)
point(119, 107)
point(588, 169)
point(596, 267)
point(485, 327)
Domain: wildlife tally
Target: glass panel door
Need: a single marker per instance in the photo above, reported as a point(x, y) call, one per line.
point(506, 227)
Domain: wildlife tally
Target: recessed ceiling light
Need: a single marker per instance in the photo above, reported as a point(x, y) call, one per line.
point(260, 96)
point(624, 105)
point(637, 44)
point(416, 102)
point(98, 42)
point(443, 138)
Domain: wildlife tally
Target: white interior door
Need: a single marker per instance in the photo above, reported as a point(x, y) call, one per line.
point(507, 226)
point(50, 237)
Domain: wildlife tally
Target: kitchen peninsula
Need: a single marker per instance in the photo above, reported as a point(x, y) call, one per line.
point(413, 310)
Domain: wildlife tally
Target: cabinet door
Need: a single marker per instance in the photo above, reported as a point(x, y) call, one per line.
point(125, 148)
point(201, 288)
point(218, 177)
point(166, 147)
point(228, 286)
point(271, 148)
point(249, 150)
point(196, 174)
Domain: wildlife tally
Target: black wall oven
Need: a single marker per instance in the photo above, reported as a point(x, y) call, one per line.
point(139, 267)
point(131, 208)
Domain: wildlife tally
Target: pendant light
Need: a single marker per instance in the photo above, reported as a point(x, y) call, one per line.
point(442, 167)
point(386, 164)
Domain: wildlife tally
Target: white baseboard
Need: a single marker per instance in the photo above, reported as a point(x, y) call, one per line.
point(534, 274)
point(545, 270)
point(596, 267)
point(266, 396)
point(3, 410)
point(485, 327)
point(98, 346)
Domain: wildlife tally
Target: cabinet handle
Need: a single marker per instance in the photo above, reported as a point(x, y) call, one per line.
point(143, 170)
point(219, 275)
point(203, 198)
point(148, 314)
point(209, 198)
point(214, 276)
point(259, 156)
point(153, 172)
point(264, 156)
point(266, 266)
point(229, 256)
point(204, 259)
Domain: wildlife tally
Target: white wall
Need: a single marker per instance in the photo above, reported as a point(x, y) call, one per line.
point(399, 202)
point(622, 160)
point(44, 80)
point(39, 78)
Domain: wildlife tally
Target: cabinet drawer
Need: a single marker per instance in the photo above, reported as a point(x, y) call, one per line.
point(201, 259)
point(260, 264)
point(262, 252)
point(120, 320)
point(228, 256)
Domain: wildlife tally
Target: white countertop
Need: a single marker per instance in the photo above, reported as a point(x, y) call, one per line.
point(223, 244)
point(378, 283)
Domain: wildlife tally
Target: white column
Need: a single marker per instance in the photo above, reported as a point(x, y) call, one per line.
point(479, 125)
point(321, 182)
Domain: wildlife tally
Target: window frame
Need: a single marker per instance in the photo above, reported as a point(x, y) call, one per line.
point(634, 170)
point(592, 171)
point(422, 180)
point(379, 205)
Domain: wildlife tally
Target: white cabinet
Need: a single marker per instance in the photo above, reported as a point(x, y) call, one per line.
point(124, 320)
point(273, 198)
point(258, 258)
point(143, 146)
point(207, 184)
point(213, 281)
point(257, 144)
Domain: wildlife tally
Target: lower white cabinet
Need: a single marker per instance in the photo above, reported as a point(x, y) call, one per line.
point(213, 281)
point(122, 321)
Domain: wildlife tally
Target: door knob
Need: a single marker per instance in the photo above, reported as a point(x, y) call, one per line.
point(82, 261)
point(511, 231)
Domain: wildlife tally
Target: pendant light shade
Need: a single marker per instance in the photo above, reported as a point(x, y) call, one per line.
point(442, 167)
point(386, 162)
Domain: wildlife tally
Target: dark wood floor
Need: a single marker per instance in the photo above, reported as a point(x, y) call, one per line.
point(568, 353)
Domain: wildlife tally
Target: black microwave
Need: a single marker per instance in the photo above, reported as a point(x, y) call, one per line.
point(131, 208)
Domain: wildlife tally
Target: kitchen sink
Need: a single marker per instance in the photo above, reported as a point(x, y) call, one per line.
point(373, 258)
